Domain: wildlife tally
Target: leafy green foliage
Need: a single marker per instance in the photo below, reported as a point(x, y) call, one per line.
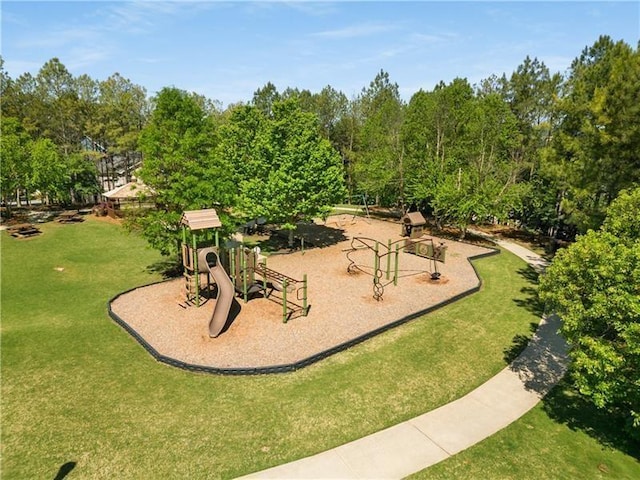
point(286, 171)
point(379, 170)
point(48, 172)
point(597, 143)
point(180, 166)
point(460, 150)
point(595, 286)
point(13, 143)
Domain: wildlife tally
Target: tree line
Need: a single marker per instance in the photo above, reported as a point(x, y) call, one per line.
point(547, 151)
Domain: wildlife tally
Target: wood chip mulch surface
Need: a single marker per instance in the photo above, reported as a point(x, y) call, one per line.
point(342, 306)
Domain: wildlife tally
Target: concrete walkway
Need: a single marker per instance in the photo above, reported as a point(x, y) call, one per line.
point(416, 444)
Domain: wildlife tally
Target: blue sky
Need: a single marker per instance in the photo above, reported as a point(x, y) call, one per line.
point(227, 50)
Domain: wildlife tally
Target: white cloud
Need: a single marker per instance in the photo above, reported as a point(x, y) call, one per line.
point(353, 31)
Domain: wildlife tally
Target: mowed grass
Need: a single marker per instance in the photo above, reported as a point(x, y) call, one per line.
point(563, 437)
point(78, 393)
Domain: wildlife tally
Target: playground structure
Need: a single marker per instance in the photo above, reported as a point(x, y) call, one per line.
point(342, 311)
point(361, 207)
point(413, 225)
point(423, 247)
point(208, 258)
point(250, 276)
point(236, 270)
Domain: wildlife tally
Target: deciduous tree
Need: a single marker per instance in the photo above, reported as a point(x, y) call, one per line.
point(594, 285)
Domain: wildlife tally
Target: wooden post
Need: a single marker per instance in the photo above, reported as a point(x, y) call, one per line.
point(217, 240)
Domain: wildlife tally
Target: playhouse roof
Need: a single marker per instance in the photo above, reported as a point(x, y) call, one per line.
point(414, 219)
point(201, 219)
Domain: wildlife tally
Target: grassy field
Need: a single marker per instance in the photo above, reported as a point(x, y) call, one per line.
point(561, 438)
point(79, 395)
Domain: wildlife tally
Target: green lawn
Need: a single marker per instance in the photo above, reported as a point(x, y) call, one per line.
point(79, 393)
point(555, 440)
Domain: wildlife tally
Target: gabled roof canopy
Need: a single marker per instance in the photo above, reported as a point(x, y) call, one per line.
point(414, 219)
point(201, 219)
point(131, 190)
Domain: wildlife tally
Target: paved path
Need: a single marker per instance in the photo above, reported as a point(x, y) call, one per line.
point(416, 444)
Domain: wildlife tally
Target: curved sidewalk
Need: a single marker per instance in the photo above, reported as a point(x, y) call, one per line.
point(416, 444)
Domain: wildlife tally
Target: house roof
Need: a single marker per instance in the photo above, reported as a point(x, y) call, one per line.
point(201, 219)
point(129, 191)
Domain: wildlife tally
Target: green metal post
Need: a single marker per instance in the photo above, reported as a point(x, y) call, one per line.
point(232, 264)
point(264, 279)
point(304, 294)
point(395, 274)
point(195, 267)
point(388, 260)
point(284, 301)
point(244, 273)
point(376, 261)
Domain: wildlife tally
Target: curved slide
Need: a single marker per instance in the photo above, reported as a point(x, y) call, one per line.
point(208, 258)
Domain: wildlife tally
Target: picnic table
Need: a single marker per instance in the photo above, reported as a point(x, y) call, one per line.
point(70, 216)
point(22, 230)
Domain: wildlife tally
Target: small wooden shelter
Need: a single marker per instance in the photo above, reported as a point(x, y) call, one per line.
point(413, 225)
point(129, 193)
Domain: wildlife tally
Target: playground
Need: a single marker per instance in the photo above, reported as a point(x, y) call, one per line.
point(343, 303)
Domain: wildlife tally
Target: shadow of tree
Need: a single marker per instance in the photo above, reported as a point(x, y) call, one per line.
point(65, 470)
point(518, 344)
point(167, 267)
point(566, 406)
point(543, 362)
point(532, 301)
point(314, 235)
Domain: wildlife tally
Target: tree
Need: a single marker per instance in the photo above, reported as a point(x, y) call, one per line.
point(379, 167)
point(15, 167)
point(180, 166)
point(121, 113)
point(58, 108)
point(596, 146)
point(459, 154)
point(48, 172)
point(594, 285)
point(265, 97)
point(287, 171)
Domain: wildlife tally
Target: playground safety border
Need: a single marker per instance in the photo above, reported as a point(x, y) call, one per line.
point(292, 367)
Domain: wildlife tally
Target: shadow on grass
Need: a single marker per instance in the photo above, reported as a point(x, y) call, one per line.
point(65, 470)
point(566, 406)
point(532, 301)
point(518, 344)
point(167, 267)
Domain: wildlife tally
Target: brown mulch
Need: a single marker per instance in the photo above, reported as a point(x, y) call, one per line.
point(342, 304)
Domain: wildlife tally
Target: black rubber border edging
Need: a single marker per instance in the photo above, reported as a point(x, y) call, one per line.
point(291, 367)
